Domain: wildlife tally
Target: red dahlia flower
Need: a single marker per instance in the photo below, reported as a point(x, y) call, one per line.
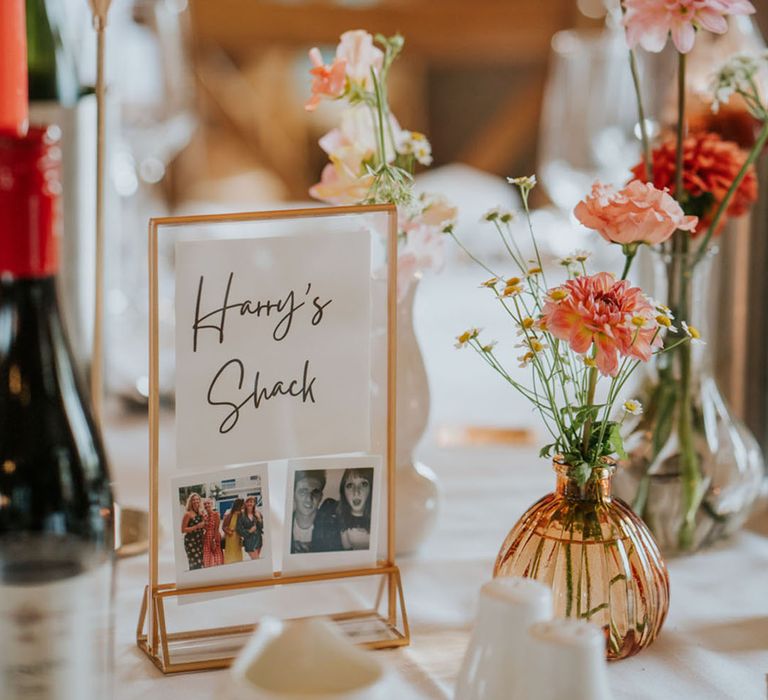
point(710, 166)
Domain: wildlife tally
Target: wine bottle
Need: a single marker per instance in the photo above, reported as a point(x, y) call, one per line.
point(50, 64)
point(56, 511)
point(57, 97)
point(14, 110)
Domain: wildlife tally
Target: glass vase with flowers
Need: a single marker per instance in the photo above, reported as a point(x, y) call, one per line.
point(693, 470)
point(373, 161)
point(580, 341)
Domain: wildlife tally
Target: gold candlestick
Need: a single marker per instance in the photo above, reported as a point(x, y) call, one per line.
point(99, 9)
point(130, 524)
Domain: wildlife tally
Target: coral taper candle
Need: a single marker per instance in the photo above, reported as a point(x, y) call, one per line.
point(14, 103)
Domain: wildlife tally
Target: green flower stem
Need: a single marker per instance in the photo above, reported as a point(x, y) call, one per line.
point(380, 111)
point(690, 472)
point(569, 575)
point(680, 129)
point(474, 259)
point(590, 400)
point(757, 149)
point(545, 380)
point(533, 236)
point(517, 260)
point(491, 359)
point(629, 255)
point(679, 283)
point(646, 142)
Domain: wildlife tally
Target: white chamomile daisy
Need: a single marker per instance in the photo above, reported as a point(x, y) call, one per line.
point(693, 333)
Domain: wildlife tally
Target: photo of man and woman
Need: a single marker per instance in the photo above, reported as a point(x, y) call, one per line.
point(331, 510)
point(220, 518)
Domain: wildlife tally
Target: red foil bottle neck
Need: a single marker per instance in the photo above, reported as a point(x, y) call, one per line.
point(30, 185)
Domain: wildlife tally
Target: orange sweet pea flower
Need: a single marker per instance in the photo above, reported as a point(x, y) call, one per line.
point(327, 81)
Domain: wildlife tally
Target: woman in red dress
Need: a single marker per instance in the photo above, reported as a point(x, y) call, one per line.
point(212, 554)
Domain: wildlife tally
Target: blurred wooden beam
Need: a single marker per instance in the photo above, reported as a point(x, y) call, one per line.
point(504, 137)
point(469, 32)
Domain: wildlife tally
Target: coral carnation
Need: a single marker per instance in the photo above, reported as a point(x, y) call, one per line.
point(618, 320)
point(639, 213)
point(650, 22)
point(710, 166)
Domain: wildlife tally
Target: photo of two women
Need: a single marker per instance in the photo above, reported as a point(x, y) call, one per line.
point(222, 522)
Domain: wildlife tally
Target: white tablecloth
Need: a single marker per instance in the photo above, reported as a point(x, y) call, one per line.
point(714, 643)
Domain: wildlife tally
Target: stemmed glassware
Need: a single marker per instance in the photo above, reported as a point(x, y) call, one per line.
point(153, 90)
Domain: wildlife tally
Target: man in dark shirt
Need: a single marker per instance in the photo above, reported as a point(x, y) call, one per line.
point(314, 526)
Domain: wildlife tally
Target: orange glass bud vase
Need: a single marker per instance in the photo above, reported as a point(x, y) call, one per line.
point(599, 558)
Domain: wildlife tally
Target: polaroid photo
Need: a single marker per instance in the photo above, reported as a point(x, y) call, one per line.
point(221, 526)
point(332, 513)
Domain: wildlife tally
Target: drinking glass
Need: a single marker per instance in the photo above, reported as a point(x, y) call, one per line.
point(589, 126)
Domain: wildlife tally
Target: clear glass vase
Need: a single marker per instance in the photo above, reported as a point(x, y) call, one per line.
point(598, 557)
point(694, 471)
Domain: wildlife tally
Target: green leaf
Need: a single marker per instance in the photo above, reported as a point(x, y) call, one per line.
point(546, 451)
point(615, 441)
point(581, 472)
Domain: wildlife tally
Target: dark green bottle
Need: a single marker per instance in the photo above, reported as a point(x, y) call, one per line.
point(51, 65)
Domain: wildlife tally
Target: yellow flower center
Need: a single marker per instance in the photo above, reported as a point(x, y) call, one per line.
point(512, 289)
point(558, 294)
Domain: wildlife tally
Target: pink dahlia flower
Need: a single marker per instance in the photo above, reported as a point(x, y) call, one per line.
point(639, 213)
point(650, 22)
point(327, 81)
point(597, 311)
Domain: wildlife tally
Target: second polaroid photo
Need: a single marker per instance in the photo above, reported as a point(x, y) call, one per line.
point(222, 526)
point(332, 513)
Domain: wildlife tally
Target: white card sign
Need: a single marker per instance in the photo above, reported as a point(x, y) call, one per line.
point(272, 348)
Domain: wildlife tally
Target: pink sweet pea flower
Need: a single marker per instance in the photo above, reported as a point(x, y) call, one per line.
point(422, 238)
point(597, 311)
point(357, 49)
point(650, 22)
point(327, 81)
point(639, 213)
point(341, 185)
point(434, 212)
point(423, 250)
point(357, 137)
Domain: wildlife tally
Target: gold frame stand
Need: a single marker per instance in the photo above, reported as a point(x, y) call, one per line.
point(393, 621)
point(387, 614)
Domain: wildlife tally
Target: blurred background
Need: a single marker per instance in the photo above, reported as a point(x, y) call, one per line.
point(206, 114)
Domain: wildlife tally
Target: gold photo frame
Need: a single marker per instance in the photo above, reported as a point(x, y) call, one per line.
point(379, 625)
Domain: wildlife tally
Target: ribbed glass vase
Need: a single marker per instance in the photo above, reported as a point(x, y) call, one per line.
point(694, 470)
point(599, 558)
